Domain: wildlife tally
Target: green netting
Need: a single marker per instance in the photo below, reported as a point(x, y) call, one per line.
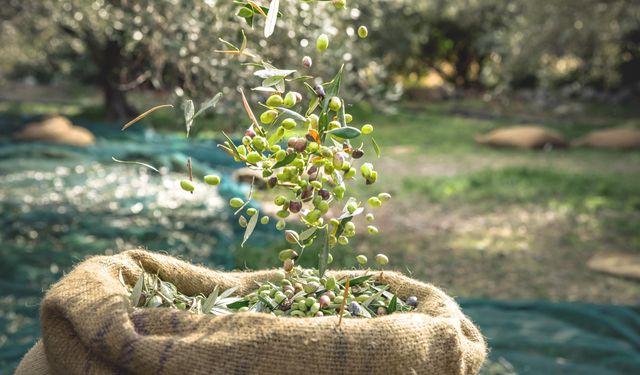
point(538, 337)
point(60, 204)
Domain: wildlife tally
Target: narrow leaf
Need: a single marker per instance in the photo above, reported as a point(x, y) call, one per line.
point(189, 110)
point(346, 132)
point(392, 305)
point(145, 114)
point(210, 104)
point(272, 17)
point(360, 280)
point(344, 300)
point(250, 227)
point(244, 41)
point(238, 304)
point(247, 108)
point(293, 114)
point(210, 302)
point(288, 159)
point(324, 254)
point(135, 162)
point(268, 73)
point(376, 148)
point(306, 234)
point(137, 291)
point(228, 292)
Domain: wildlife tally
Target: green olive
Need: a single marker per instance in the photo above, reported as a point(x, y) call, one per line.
point(322, 43)
point(382, 259)
point(267, 117)
point(187, 185)
point(274, 101)
point(363, 32)
point(289, 123)
point(361, 259)
point(236, 202)
point(212, 180)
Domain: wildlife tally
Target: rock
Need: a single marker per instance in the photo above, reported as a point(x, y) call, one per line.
point(57, 129)
point(617, 139)
point(621, 265)
point(526, 136)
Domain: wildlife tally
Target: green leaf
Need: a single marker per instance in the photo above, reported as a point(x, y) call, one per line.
point(228, 292)
point(288, 159)
point(210, 104)
point(346, 132)
point(306, 234)
point(268, 301)
point(238, 304)
point(188, 114)
point(268, 73)
point(137, 291)
point(245, 12)
point(301, 78)
point(250, 227)
point(359, 280)
point(276, 136)
point(332, 89)
point(211, 301)
point(392, 305)
point(293, 114)
point(324, 254)
point(376, 148)
point(313, 104)
point(232, 145)
point(135, 162)
point(273, 81)
point(272, 16)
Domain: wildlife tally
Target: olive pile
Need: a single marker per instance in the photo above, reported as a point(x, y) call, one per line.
point(298, 293)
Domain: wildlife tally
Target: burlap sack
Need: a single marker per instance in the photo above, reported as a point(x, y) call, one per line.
point(617, 139)
point(57, 129)
point(529, 136)
point(89, 327)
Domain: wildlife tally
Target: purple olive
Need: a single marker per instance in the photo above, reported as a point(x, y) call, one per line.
point(412, 301)
point(295, 206)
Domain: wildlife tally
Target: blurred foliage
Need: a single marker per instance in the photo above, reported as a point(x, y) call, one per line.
point(169, 44)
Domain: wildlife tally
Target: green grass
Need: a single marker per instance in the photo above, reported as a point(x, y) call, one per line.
point(520, 185)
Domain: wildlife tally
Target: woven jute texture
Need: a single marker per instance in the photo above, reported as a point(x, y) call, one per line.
point(89, 327)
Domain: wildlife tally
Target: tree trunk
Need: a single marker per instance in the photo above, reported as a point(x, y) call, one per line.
point(116, 105)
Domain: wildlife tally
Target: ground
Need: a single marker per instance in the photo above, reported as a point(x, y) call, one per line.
point(492, 223)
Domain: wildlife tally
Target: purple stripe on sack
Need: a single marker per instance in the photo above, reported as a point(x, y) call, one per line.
point(98, 339)
point(175, 321)
point(127, 353)
point(139, 324)
point(164, 356)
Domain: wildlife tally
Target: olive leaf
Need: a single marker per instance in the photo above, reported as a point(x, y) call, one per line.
point(272, 17)
point(306, 234)
point(346, 132)
point(135, 162)
point(250, 227)
point(293, 114)
point(359, 280)
point(324, 253)
point(376, 148)
point(211, 103)
point(145, 114)
point(392, 305)
point(288, 159)
point(137, 291)
point(272, 72)
point(189, 111)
